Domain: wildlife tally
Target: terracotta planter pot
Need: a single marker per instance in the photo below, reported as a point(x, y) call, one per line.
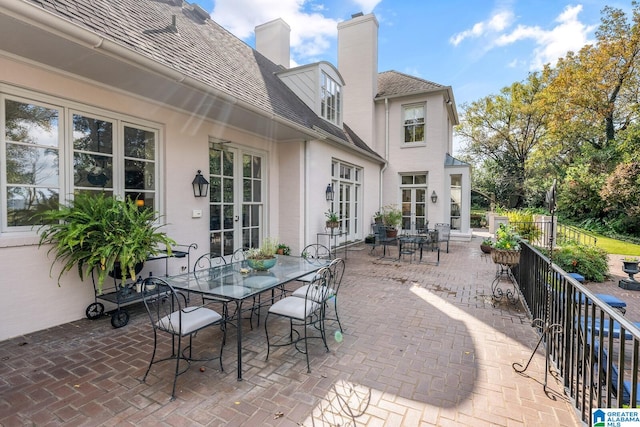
point(392, 232)
point(505, 257)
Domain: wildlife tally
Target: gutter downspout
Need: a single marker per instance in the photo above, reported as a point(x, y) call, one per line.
point(305, 202)
point(386, 150)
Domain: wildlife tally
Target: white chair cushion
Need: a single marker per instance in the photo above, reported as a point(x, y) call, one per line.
point(294, 307)
point(193, 318)
point(307, 278)
point(318, 295)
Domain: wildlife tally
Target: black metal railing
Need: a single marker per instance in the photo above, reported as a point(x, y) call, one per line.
point(596, 351)
point(538, 233)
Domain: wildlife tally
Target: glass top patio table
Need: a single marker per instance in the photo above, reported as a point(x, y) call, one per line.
point(238, 282)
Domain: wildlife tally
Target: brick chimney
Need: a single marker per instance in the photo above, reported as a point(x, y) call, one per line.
point(358, 65)
point(273, 41)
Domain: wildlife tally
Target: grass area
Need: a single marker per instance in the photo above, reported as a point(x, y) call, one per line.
point(613, 246)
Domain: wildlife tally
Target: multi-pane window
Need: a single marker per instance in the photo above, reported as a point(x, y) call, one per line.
point(414, 120)
point(330, 99)
point(53, 150)
point(347, 181)
point(252, 202)
point(414, 202)
point(32, 158)
point(456, 201)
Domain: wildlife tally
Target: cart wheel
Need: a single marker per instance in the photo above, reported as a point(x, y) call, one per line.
point(119, 318)
point(95, 310)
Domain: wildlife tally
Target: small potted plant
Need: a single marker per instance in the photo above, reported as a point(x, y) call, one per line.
point(391, 218)
point(264, 257)
point(486, 245)
point(506, 248)
point(333, 220)
point(283, 249)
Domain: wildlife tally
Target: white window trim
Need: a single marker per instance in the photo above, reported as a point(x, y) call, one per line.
point(422, 143)
point(27, 235)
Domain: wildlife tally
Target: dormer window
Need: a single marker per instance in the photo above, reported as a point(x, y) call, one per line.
point(331, 99)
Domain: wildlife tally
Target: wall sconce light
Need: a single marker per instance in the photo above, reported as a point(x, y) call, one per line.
point(434, 197)
point(200, 185)
point(329, 193)
point(140, 203)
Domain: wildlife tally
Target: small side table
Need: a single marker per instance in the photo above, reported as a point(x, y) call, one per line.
point(333, 236)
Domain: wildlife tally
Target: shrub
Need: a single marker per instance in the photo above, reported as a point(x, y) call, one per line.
point(589, 261)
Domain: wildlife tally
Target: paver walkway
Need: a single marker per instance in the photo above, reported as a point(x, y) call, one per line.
point(423, 346)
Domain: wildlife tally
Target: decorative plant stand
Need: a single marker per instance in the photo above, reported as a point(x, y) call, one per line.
point(505, 260)
point(631, 268)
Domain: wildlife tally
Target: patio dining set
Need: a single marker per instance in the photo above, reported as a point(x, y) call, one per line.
point(411, 244)
point(180, 306)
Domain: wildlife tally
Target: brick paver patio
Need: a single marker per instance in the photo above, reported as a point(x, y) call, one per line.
point(423, 346)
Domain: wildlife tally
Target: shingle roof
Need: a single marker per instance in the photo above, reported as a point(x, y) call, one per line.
point(197, 47)
point(391, 83)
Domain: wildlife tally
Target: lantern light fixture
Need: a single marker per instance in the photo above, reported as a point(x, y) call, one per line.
point(200, 185)
point(329, 193)
point(434, 197)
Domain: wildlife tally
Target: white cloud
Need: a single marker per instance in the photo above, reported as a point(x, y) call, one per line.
point(568, 34)
point(496, 23)
point(311, 31)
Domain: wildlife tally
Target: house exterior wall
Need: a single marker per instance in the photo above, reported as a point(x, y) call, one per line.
point(28, 287)
point(405, 158)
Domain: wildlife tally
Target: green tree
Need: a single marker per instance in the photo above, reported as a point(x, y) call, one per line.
point(592, 94)
point(502, 132)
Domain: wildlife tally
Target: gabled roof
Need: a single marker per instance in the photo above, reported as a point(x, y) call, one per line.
point(393, 83)
point(181, 37)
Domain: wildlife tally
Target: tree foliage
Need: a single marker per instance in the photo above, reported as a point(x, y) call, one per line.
point(577, 121)
point(504, 130)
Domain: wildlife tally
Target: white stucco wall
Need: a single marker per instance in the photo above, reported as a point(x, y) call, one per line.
point(404, 158)
point(296, 174)
point(31, 298)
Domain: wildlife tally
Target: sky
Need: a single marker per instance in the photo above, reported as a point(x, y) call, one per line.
point(475, 46)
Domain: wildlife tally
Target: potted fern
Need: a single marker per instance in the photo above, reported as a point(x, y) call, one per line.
point(100, 233)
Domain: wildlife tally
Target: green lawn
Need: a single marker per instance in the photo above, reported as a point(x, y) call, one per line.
point(613, 246)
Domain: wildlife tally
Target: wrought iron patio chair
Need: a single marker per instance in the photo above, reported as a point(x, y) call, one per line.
point(209, 262)
point(380, 232)
point(306, 313)
point(314, 251)
point(169, 314)
point(336, 270)
point(444, 232)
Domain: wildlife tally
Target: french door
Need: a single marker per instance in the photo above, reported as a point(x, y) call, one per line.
point(414, 203)
point(236, 199)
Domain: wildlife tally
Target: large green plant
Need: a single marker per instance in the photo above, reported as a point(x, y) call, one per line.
point(391, 216)
point(96, 232)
